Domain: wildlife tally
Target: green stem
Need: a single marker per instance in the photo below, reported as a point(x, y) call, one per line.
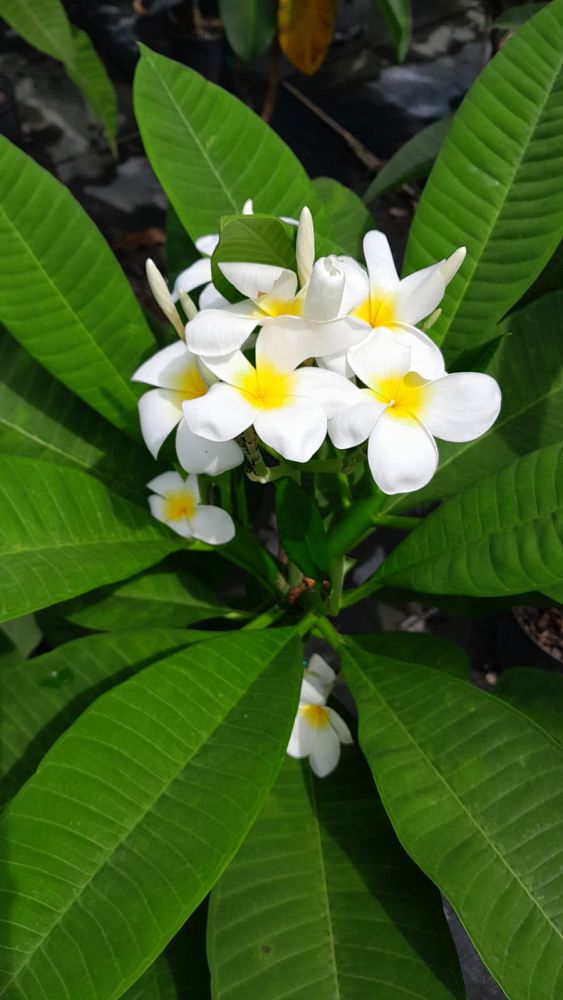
point(240, 497)
point(345, 533)
point(336, 570)
point(249, 444)
point(265, 619)
point(358, 593)
point(328, 632)
point(306, 623)
point(401, 521)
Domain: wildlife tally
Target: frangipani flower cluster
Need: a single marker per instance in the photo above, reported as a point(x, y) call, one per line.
point(318, 731)
point(331, 347)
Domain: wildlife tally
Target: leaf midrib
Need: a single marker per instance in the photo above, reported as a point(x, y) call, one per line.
point(39, 947)
point(433, 767)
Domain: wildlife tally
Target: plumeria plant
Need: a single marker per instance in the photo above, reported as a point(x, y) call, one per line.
point(212, 788)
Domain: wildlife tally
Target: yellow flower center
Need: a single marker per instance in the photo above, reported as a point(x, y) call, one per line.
point(404, 396)
point(265, 387)
point(280, 307)
point(377, 310)
point(315, 715)
point(190, 382)
point(179, 505)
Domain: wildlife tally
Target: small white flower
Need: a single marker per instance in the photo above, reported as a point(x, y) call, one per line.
point(379, 299)
point(306, 315)
point(288, 408)
point(401, 413)
point(179, 376)
point(175, 502)
point(317, 732)
point(320, 675)
point(159, 289)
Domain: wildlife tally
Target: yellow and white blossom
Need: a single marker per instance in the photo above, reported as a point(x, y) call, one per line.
point(378, 299)
point(179, 376)
point(318, 731)
point(400, 412)
point(176, 502)
point(287, 407)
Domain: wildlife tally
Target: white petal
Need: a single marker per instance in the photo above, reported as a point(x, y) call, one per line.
point(212, 525)
point(325, 752)
point(192, 487)
point(336, 363)
point(305, 246)
point(207, 244)
point(332, 391)
point(301, 739)
point(198, 273)
point(286, 341)
point(451, 266)
point(161, 369)
point(382, 272)
point(157, 506)
point(402, 454)
point(233, 368)
point(167, 483)
point(382, 355)
point(210, 298)
point(461, 406)
point(419, 294)
point(220, 415)
point(160, 410)
point(426, 357)
point(311, 694)
point(295, 430)
point(325, 290)
point(340, 727)
point(353, 426)
point(254, 280)
point(248, 207)
point(319, 673)
point(356, 284)
point(182, 527)
point(159, 288)
point(208, 458)
point(219, 331)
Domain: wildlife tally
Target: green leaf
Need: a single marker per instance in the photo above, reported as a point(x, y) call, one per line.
point(160, 597)
point(417, 648)
point(535, 693)
point(91, 77)
point(301, 529)
point(42, 697)
point(246, 551)
point(181, 970)
point(528, 370)
point(260, 239)
point(473, 789)
point(211, 152)
point(550, 280)
point(250, 25)
point(64, 533)
point(41, 419)
point(414, 159)
point(43, 23)
point(398, 16)
point(137, 809)
point(512, 18)
point(500, 536)
point(62, 292)
point(348, 217)
point(322, 901)
point(496, 185)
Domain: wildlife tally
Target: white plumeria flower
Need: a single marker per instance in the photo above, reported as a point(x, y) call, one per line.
point(317, 732)
point(288, 408)
point(401, 413)
point(320, 675)
point(179, 376)
point(274, 299)
point(379, 299)
point(175, 502)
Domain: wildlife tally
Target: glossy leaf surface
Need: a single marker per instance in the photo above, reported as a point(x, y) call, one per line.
point(301, 529)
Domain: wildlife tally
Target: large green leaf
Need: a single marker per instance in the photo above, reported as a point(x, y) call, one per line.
point(301, 529)
point(136, 811)
point(90, 75)
point(537, 694)
point(500, 536)
point(417, 648)
point(41, 419)
point(261, 239)
point(527, 367)
point(160, 597)
point(322, 901)
point(414, 159)
point(181, 971)
point(210, 151)
point(64, 533)
point(496, 186)
point(43, 23)
point(42, 697)
point(62, 292)
point(347, 216)
point(512, 18)
point(473, 789)
point(250, 25)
